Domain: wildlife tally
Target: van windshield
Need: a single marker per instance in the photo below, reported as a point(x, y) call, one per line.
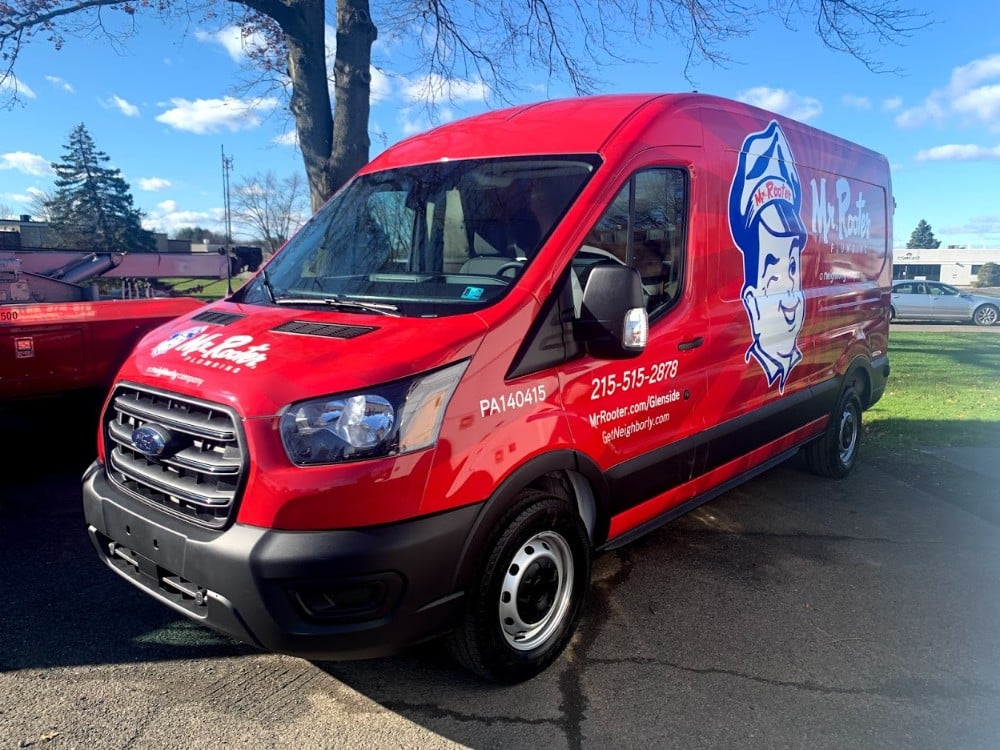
point(431, 239)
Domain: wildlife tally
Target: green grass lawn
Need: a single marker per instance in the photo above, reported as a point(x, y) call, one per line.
point(944, 390)
point(205, 289)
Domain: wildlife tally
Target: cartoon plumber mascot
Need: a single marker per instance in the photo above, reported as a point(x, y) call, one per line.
point(764, 205)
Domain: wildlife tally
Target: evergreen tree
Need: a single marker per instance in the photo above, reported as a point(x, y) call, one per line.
point(922, 238)
point(989, 275)
point(92, 207)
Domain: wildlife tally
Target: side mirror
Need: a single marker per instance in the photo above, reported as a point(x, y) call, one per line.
point(613, 321)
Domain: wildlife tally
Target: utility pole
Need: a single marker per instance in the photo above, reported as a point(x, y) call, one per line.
point(227, 167)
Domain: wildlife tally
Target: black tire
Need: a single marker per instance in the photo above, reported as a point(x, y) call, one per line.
point(524, 605)
point(986, 315)
point(834, 453)
point(892, 313)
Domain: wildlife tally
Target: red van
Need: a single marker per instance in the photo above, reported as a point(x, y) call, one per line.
point(506, 345)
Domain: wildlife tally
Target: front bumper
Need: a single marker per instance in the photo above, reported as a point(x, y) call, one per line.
point(338, 594)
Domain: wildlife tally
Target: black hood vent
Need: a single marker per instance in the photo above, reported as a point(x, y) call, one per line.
point(219, 318)
point(329, 330)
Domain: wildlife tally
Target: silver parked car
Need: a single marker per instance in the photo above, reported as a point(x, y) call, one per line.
point(932, 300)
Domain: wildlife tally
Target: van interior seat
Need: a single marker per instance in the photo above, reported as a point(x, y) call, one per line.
point(488, 254)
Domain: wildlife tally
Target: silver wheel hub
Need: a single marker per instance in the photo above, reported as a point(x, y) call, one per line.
point(848, 436)
point(536, 591)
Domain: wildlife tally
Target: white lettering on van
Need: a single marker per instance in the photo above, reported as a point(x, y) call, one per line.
point(234, 350)
point(827, 215)
point(632, 378)
point(512, 400)
point(623, 422)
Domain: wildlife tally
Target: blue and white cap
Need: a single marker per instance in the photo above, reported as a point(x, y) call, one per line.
point(765, 187)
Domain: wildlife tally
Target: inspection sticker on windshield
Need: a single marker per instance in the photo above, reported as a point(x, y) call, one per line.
point(472, 292)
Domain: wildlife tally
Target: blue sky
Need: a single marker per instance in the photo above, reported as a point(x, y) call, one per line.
point(164, 105)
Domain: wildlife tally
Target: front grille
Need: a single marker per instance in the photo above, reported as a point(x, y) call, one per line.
point(200, 472)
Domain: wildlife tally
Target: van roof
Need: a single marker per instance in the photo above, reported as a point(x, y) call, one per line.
point(572, 126)
point(580, 125)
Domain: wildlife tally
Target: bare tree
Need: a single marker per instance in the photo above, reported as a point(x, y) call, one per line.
point(488, 44)
point(6, 212)
point(272, 208)
point(40, 204)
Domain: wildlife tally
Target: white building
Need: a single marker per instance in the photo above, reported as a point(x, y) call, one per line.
point(952, 265)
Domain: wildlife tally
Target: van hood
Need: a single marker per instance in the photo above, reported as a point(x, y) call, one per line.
point(259, 359)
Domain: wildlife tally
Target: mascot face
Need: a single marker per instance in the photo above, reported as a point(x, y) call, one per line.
point(764, 205)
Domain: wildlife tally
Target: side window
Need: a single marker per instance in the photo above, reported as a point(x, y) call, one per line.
point(657, 232)
point(643, 227)
point(903, 289)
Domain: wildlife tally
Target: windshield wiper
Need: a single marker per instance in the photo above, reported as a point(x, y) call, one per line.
point(375, 307)
point(266, 282)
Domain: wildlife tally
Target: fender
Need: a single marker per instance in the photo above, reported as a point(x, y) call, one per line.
point(531, 473)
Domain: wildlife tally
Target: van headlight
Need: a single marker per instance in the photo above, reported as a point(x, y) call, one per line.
point(386, 420)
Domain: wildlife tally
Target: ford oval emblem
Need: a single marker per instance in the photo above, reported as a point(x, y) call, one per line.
point(150, 440)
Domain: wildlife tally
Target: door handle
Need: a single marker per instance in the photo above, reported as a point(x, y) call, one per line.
point(692, 344)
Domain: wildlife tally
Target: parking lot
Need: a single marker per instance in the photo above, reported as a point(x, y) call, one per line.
point(790, 612)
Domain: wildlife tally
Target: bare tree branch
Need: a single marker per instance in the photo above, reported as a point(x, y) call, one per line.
point(463, 47)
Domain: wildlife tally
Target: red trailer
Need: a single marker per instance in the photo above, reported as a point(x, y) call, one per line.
point(57, 333)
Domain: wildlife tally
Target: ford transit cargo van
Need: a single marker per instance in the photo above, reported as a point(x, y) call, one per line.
point(506, 345)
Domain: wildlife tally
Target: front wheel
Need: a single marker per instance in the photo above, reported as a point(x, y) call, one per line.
point(986, 315)
point(523, 607)
point(834, 453)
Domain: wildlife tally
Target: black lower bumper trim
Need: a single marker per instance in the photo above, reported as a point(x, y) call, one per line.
point(339, 594)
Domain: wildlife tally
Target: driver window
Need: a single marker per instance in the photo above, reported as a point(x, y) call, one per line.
point(643, 227)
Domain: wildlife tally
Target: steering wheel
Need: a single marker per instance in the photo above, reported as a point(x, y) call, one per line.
point(514, 265)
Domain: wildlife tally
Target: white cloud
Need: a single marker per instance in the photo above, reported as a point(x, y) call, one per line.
point(892, 104)
point(858, 102)
point(60, 83)
point(125, 107)
point(972, 93)
point(959, 152)
point(152, 184)
point(783, 102)
point(167, 217)
point(969, 76)
point(13, 84)
point(289, 138)
point(434, 89)
point(381, 86)
point(204, 116)
point(233, 41)
point(22, 161)
point(410, 125)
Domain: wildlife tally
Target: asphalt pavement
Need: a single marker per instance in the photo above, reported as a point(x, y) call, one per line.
point(791, 612)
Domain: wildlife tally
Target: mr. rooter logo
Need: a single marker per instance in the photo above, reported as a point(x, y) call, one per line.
point(212, 350)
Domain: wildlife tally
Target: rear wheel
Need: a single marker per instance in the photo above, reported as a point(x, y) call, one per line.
point(986, 315)
point(524, 605)
point(834, 453)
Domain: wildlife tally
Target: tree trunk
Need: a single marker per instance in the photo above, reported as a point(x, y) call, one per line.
point(334, 143)
point(310, 98)
point(356, 33)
